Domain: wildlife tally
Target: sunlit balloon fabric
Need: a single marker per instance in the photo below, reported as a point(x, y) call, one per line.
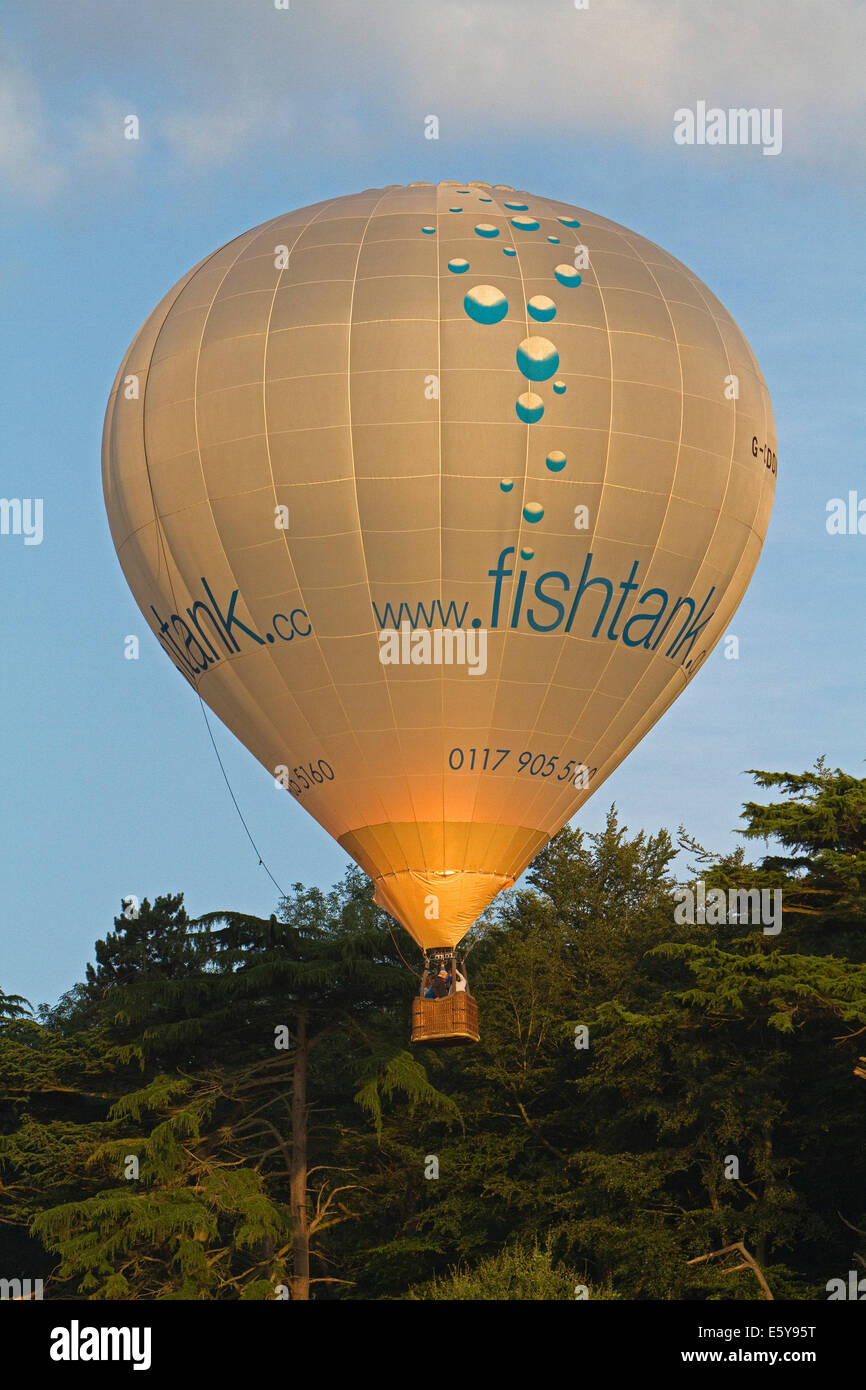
point(439, 496)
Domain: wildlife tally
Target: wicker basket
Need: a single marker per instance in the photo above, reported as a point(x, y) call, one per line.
point(445, 1022)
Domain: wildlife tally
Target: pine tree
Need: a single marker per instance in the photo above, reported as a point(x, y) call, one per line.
point(55, 1093)
point(647, 1092)
point(223, 1137)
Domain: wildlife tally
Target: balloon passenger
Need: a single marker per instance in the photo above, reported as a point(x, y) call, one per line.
point(441, 984)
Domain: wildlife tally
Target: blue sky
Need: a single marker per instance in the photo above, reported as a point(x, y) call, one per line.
point(111, 784)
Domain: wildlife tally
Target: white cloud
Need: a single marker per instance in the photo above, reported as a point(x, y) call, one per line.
point(28, 162)
point(214, 136)
point(99, 136)
point(219, 80)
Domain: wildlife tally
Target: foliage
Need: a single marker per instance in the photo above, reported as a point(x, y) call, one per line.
point(524, 1272)
point(235, 1058)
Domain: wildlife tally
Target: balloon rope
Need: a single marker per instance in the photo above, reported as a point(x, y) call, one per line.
point(400, 953)
point(255, 846)
point(237, 807)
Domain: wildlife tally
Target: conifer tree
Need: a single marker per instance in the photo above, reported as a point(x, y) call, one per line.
point(222, 1129)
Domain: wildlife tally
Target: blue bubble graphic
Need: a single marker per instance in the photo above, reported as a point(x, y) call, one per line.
point(537, 358)
point(541, 307)
point(485, 304)
point(529, 407)
point(567, 275)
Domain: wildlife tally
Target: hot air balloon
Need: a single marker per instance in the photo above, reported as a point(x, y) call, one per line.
point(439, 496)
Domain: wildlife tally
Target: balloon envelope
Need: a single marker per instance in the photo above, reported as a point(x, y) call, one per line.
point(439, 542)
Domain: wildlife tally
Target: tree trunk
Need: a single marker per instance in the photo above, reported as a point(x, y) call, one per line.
point(298, 1177)
point(710, 1182)
point(761, 1250)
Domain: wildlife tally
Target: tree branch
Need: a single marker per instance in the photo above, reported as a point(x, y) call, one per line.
point(750, 1263)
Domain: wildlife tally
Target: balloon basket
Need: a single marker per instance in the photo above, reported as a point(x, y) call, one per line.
point(447, 1022)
